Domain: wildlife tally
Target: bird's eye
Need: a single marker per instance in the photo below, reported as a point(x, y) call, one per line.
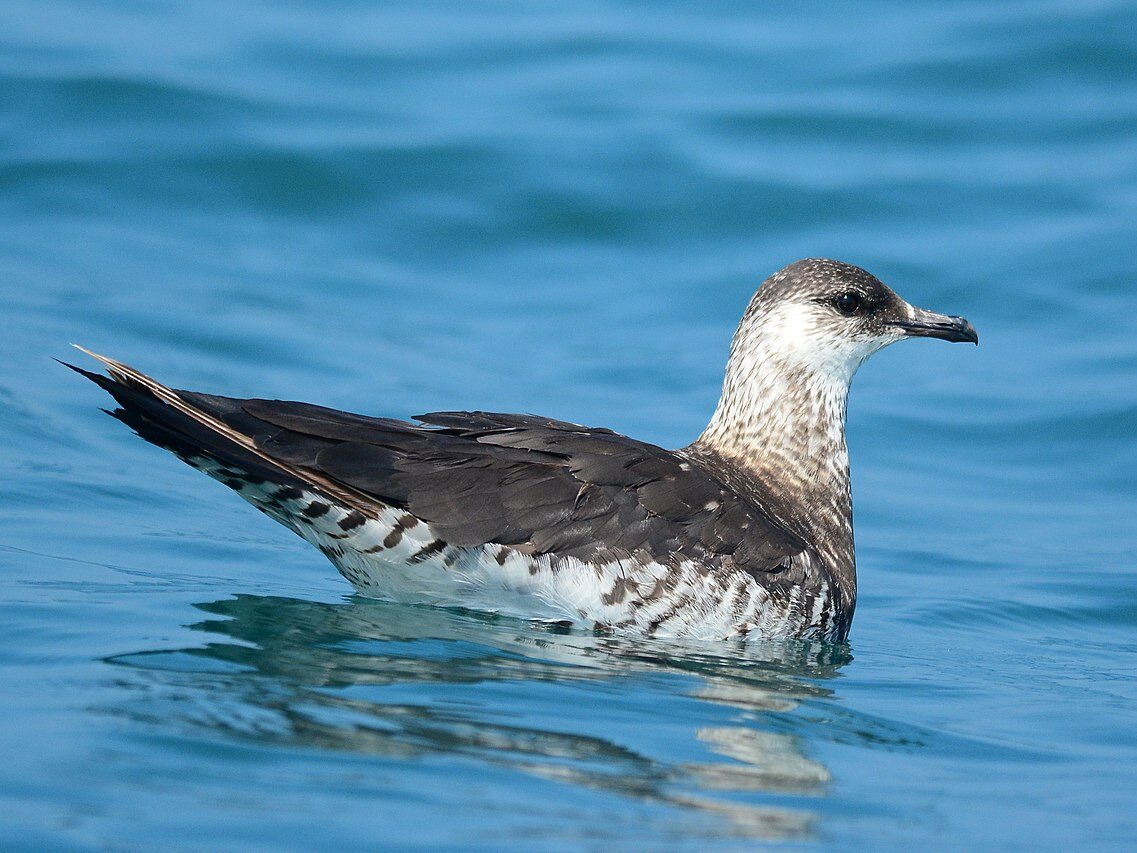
point(848, 303)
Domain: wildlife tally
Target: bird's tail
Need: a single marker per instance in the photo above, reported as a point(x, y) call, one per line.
point(163, 417)
point(204, 431)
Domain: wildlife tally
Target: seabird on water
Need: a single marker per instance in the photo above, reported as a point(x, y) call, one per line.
point(747, 531)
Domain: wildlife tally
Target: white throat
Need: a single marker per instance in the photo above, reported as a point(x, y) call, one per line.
point(781, 415)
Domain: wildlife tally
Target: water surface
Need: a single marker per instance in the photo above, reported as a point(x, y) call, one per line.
point(563, 209)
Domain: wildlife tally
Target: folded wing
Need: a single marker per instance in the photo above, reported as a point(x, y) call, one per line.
point(538, 485)
point(533, 484)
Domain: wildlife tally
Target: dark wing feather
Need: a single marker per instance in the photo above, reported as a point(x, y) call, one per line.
point(532, 483)
point(538, 485)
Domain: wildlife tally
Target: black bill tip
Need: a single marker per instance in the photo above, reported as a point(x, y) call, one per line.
point(926, 324)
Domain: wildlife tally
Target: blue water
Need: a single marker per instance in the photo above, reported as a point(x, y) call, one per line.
point(563, 208)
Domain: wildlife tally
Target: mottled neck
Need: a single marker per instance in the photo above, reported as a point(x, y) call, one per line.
point(783, 422)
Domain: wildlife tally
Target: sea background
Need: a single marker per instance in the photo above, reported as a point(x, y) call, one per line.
point(563, 208)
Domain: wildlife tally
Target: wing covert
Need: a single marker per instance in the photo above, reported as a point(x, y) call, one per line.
point(535, 484)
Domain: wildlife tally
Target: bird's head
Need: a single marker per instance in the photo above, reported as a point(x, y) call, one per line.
point(825, 318)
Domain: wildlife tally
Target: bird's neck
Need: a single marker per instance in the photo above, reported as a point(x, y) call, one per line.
point(784, 424)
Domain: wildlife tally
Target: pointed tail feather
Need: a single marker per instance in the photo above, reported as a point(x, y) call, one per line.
point(163, 417)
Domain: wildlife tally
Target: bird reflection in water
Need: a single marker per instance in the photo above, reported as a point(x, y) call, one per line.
point(378, 679)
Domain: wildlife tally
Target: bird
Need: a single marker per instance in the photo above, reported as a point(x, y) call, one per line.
point(746, 532)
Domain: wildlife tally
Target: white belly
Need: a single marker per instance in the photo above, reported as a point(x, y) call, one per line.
point(396, 557)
